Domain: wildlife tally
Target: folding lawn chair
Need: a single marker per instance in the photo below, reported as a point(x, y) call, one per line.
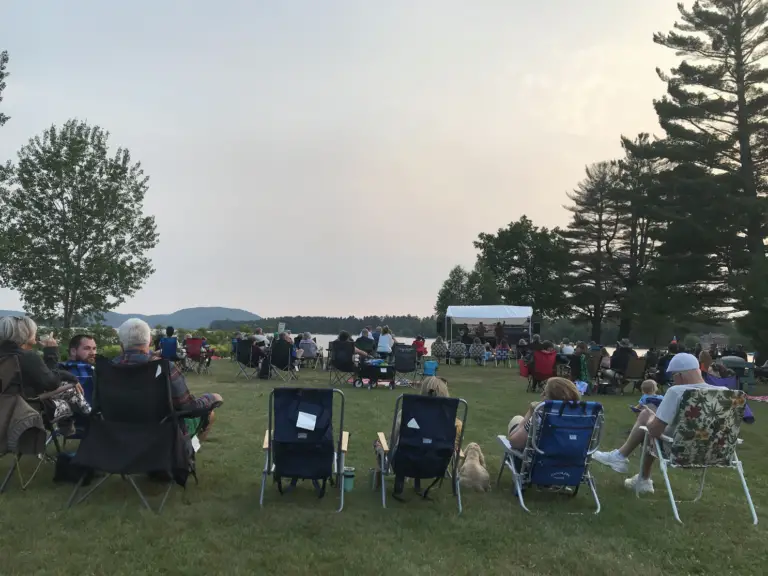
point(425, 444)
point(244, 358)
point(559, 448)
point(341, 363)
point(303, 446)
point(135, 430)
point(406, 364)
point(634, 375)
point(169, 350)
point(542, 369)
point(280, 358)
point(197, 355)
point(34, 439)
point(502, 357)
point(706, 433)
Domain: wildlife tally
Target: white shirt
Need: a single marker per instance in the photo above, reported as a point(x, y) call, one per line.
point(568, 349)
point(385, 343)
point(671, 404)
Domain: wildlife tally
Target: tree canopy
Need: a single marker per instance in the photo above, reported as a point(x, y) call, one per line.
point(73, 239)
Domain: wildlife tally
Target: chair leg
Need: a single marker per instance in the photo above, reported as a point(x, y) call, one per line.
point(8, 476)
point(74, 492)
point(665, 474)
point(740, 470)
point(701, 486)
point(264, 474)
point(340, 480)
point(518, 482)
point(139, 492)
point(591, 483)
point(382, 462)
point(90, 491)
point(457, 491)
point(501, 469)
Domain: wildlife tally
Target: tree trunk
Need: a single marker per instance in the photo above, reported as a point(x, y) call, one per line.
point(625, 327)
point(597, 328)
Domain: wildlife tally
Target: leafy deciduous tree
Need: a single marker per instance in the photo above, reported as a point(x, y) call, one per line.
point(73, 239)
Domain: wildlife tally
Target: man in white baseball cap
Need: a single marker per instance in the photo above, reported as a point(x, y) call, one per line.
point(686, 375)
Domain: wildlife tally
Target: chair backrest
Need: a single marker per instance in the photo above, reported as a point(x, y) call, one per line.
point(502, 354)
point(169, 348)
point(405, 358)
point(194, 347)
point(303, 442)
point(427, 438)
point(10, 375)
point(342, 355)
point(706, 427)
point(244, 352)
point(635, 368)
point(458, 350)
point(544, 364)
point(280, 354)
point(563, 436)
point(133, 393)
point(593, 363)
point(365, 344)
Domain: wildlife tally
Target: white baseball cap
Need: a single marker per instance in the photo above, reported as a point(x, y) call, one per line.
point(682, 362)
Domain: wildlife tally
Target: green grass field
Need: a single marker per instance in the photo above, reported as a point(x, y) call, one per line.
point(222, 530)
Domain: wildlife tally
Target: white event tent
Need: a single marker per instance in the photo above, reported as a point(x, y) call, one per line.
point(513, 315)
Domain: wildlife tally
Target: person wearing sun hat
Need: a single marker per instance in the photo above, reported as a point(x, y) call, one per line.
point(684, 373)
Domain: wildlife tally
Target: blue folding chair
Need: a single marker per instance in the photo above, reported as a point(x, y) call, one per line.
point(561, 441)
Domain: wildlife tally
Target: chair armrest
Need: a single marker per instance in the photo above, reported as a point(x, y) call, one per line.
point(265, 446)
point(504, 441)
point(662, 437)
point(344, 441)
point(383, 442)
point(739, 441)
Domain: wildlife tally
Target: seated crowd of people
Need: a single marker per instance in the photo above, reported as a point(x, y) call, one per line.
point(63, 391)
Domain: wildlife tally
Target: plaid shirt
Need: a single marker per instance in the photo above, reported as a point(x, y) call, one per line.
point(182, 398)
point(84, 374)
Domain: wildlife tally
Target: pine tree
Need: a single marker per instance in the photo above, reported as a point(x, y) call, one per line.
point(3, 75)
point(589, 235)
point(714, 115)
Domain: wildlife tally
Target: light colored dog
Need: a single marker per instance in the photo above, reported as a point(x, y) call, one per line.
point(472, 473)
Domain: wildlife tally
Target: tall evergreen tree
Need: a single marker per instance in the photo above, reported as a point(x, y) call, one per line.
point(454, 291)
point(589, 235)
point(715, 116)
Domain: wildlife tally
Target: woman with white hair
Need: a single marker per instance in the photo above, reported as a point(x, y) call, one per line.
point(18, 336)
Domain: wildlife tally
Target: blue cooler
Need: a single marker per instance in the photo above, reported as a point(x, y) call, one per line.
point(430, 368)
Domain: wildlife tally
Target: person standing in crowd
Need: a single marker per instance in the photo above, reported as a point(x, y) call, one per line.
point(498, 332)
point(480, 331)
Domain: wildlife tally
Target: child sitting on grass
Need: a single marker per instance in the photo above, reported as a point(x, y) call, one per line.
point(650, 398)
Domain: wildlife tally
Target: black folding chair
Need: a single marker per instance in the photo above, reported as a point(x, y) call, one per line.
point(406, 364)
point(245, 361)
point(280, 358)
point(135, 429)
point(35, 440)
point(303, 445)
point(424, 444)
point(341, 363)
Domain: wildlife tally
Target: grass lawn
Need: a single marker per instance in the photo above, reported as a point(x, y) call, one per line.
point(222, 530)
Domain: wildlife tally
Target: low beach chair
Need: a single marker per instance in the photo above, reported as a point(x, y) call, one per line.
point(502, 357)
point(560, 444)
point(706, 433)
point(425, 444)
point(634, 375)
point(300, 444)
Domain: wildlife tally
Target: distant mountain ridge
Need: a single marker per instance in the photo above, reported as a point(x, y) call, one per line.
point(190, 318)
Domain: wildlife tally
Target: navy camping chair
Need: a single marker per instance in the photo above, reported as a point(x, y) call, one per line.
point(341, 363)
point(406, 364)
point(560, 444)
point(426, 444)
point(281, 361)
point(302, 445)
point(244, 358)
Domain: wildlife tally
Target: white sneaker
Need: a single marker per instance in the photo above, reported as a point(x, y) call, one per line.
point(639, 485)
point(614, 459)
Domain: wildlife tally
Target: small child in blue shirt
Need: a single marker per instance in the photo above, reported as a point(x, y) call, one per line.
point(649, 398)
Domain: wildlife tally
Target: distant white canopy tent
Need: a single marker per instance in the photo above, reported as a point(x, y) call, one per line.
point(513, 315)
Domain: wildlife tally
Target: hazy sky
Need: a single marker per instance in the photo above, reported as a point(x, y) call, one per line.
point(325, 157)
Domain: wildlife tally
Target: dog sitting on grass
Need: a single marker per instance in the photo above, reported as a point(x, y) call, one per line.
point(472, 473)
